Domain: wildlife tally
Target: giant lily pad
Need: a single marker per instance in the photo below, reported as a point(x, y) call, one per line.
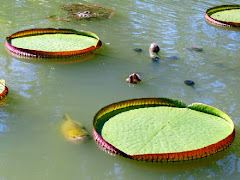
point(52, 43)
point(162, 129)
point(225, 15)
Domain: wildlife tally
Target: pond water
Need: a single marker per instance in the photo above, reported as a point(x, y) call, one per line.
point(31, 144)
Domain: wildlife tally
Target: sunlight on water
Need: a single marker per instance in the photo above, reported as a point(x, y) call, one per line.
point(32, 146)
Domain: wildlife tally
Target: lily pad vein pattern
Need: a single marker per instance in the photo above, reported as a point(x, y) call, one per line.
point(155, 130)
point(54, 42)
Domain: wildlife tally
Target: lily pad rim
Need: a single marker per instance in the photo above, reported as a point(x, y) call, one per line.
point(216, 22)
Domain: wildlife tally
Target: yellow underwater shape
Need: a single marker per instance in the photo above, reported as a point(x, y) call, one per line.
point(73, 131)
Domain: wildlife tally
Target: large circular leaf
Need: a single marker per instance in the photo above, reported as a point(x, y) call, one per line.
point(162, 129)
point(52, 43)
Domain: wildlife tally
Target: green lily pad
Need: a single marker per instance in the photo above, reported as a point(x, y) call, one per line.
point(54, 42)
point(156, 130)
point(162, 129)
point(232, 15)
point(224, 15)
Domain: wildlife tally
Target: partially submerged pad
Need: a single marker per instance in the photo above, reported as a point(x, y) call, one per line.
point(162, 129)
point(84, 11)
point(3, 89)
point(52, 43)
point(225, 15)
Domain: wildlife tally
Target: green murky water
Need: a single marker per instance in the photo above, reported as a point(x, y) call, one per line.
point(31, 145)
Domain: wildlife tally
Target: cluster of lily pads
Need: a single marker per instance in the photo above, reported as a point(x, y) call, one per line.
point(149, 129)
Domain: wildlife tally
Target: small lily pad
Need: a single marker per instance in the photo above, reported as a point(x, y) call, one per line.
point(225, 15)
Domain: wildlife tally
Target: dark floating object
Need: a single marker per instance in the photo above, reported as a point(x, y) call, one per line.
point(196, 49)
point(134, 78)
point(82, 11)
point(138, 50)
point(224, 15)
point(189, 82)
point(52, 43)
point(151, 129)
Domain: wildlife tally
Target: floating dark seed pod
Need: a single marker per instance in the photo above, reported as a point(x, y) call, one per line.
point(189, 82)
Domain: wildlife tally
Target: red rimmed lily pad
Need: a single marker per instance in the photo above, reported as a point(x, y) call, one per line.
point(52, 43)
point(224, 15)
point(162, 129)
point(3, 89)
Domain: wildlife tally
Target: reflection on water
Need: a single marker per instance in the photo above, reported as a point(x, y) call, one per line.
point(41, 92)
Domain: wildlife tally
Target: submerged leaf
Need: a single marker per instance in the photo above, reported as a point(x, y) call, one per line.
point(84, 11)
